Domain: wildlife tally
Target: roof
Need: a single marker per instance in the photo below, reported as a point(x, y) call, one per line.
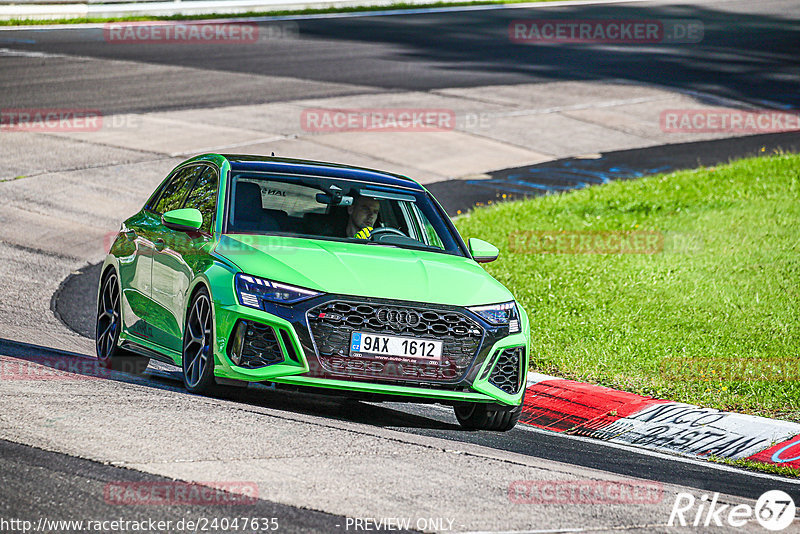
point(318, 168)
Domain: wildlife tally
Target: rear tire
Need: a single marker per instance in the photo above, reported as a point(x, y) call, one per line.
point(477, 416)
point(197, 359)
point(107, 329)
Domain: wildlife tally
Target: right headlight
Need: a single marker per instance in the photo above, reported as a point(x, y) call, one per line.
point(505, 314)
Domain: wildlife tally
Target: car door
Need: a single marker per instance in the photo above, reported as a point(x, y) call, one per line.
point(136, 259)
point(135, 254)
point(178, 254)
point(171, 197)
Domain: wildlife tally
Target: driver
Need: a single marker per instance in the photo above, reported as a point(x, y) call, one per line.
point(363, 214)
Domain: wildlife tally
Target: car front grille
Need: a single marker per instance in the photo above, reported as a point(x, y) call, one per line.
point(507, 372)
point(331, 325)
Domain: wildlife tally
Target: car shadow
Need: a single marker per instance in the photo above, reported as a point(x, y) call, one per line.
point(27, 361)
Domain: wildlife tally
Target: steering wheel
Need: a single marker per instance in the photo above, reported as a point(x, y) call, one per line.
point(377, 233)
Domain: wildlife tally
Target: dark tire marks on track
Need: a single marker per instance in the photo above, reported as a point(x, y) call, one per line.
point(42, 484)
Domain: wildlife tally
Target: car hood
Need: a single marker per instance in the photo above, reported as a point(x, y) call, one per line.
point(367, 270)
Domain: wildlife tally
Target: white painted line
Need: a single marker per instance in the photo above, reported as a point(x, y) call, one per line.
point(700, 95)
point(535, 378)
point(577, 107)
point(9, 52)
point(661, 455)
point(620, 528)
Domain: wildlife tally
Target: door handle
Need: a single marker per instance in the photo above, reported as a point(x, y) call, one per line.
point(160, 244)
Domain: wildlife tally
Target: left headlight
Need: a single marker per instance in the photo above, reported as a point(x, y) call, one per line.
point(252, 291)
point(500, 315)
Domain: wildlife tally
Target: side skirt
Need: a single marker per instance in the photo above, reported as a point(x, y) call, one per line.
point(145, 351)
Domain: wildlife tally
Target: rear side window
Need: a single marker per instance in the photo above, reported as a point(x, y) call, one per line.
point(204, 196)
point(174, 191)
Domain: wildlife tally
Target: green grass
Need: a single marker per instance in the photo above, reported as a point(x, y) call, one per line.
point(750, 465)
point(276, 13)
point(713, 319)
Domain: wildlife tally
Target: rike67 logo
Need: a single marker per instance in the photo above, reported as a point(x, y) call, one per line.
point(775, 510)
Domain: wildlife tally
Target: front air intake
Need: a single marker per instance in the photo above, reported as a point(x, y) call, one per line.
point(254, 345)
point(507, 372)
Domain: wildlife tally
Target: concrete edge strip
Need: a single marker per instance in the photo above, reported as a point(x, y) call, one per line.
point(561, 405)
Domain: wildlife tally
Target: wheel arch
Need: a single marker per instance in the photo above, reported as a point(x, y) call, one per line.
point(197, 284)
point(110, 264)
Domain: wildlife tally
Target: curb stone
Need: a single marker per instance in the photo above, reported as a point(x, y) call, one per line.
point(562, 405)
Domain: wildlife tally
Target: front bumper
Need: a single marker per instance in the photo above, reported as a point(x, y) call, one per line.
point(480, 363)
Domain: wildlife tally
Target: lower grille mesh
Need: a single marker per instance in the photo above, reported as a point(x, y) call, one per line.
point(507, 371)
point(261, 347)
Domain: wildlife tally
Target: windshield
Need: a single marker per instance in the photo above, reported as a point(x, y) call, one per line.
point(337, 209)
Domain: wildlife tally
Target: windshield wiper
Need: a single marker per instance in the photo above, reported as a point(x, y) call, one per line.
point(405, 242)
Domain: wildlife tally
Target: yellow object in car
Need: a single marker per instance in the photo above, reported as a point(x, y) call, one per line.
point(364, 233)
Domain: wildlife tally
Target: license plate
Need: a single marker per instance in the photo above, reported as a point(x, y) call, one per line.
point(380, 346)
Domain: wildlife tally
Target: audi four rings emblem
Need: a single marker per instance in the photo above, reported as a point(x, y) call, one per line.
point(398, 318)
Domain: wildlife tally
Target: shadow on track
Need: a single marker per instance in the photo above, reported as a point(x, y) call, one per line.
point(421, 420)
point(26, 361)
point(43, 484)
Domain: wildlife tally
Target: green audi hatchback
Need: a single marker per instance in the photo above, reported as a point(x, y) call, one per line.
point(312, 276)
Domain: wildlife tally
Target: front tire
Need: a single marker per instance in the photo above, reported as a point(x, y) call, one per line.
point(478, 416)
point(198, 346)
point(107, 329)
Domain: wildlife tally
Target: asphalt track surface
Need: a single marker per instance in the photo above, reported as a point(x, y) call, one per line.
point(751, 60)
point(50, 477)
point(748, 53)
